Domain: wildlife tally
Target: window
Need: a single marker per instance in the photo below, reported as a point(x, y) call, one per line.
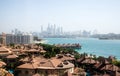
point(26, 72)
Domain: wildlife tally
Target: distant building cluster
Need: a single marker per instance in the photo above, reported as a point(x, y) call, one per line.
point(57, 31)
point(30, 60)
point(33, 63)
point(51, 30)
point(17, 38)
point(110, 36)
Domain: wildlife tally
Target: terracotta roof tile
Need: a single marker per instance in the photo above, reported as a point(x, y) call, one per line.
point(15, 50)
point(4, 50)
point(55, 62)
point(46, 64)
point(2, 64)
point(110, 67)
point(32, 50)
point(12, 56)
point(88, 61)
point(36, 74)
point(28, 66)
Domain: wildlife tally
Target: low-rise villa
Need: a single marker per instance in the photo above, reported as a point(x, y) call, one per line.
point(46, 67)
point(4, 51)
point(2, 64)
point(31, 60)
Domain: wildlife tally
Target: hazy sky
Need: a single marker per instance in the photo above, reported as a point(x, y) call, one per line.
point(72, 15)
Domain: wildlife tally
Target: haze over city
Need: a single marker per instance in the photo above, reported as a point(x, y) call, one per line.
point(72, 15)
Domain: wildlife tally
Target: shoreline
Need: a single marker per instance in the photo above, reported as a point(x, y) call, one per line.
point(107, 45)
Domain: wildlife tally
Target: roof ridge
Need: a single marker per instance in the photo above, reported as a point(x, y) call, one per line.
point(51, 63)
point(7, 49)
point(32, 65)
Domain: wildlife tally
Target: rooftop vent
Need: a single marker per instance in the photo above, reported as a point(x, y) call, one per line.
point(65, 62)
point(60, 65)
point(42, 62)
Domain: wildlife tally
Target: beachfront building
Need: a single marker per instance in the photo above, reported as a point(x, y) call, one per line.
point(46, 67)
point(3, 39)
point(19, 38)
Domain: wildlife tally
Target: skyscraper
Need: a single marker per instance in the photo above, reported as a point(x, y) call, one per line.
point(41, 29)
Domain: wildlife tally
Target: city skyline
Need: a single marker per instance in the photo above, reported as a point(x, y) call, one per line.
point(28, 15)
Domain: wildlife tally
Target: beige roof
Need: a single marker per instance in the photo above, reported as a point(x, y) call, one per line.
point(15, 50)
point(87, 61)
point(28, 66)
point(54, 64)
point(26, 59)
point(34, 59)
point(12, 56)
point(63, 57)
point(106, 61)
point(32, 50)
point(42, 51)
point(97, 65)
point(2, 64)
point(110, 67)
point(117, 73)
point(36, 74)
point(4, 50)
point(46, 64)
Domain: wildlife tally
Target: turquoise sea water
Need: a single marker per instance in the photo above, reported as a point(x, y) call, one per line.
point(92, 45)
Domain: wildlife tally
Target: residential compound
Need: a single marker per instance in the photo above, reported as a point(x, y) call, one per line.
point(16, 38)
point(29, 60)
point(45, 67)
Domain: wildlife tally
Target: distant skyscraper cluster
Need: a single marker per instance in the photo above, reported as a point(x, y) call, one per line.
point(57, 31)
point(52, 30)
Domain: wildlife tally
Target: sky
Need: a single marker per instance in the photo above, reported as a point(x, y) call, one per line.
point(72, 15)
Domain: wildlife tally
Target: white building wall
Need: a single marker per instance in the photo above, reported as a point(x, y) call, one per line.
point(19, 39)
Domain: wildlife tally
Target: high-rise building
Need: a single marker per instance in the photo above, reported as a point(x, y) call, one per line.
point(41, 29)
point(54, 30)
point(3, 39)
point(61, 30)
point(19, 38)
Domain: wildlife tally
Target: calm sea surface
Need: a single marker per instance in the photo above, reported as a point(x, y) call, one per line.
point(92, 45)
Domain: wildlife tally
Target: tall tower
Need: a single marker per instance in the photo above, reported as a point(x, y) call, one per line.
point(54, 30)
point(48, 28)
point(41, 29)
point(4, 39)
point(95, 32)
point(61, 30)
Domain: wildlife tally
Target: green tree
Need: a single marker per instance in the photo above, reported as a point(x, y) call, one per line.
point(77, 56)
point(12, 45)
point(116, 62)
